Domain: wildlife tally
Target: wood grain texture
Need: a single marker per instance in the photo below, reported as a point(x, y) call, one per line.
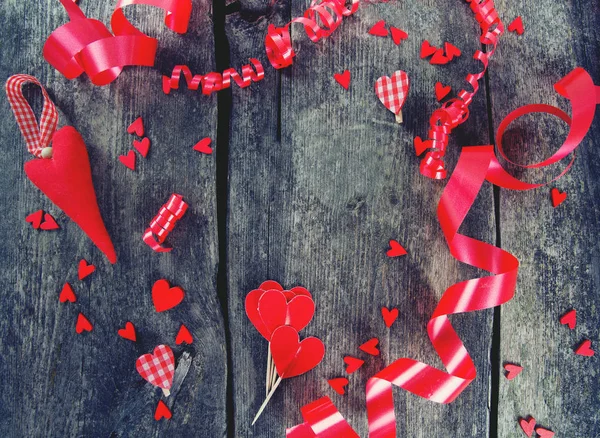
point(58, 383)
point(558, 248)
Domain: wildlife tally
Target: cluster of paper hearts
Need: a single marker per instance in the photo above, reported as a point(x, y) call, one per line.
point(36, 218)
point(67, 295)
point(142, 146)
point(440, 55)
point(529, 425)
point(380, 29)
point(585, 347)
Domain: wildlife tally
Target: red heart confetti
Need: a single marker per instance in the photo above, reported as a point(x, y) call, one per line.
point(427, 49)
point(142, 146)
point(585, 349)
point(438, 58)
point(352, 364)
point(157, 368)
point(451, 51)
point(558, 197)
point(527, 425)
point(516, 26)
point(203, 146)
point(389, 316)
point(162, 411)
point(128, 332)
point(343, 78)
point(67, 294)
point(512, 370)
point(35, 219)
point(379, 29)
point(420, 145)
point(166, 297)
point(275, 310)
point(370, 347)
point(392, 91)
point(49, 223)
point(338, 384)
point(84, 269)
point(83, 324)
point(293, 357)
point(396, 250)
point(569, 318)
point(441, 91)
point(398, 35)
point(128, 160)
point(184, 335)
point(137, 127)
point(543, 432)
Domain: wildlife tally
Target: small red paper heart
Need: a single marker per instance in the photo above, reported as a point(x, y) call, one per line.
point(157, 368)
point(558, 197)
point(420, 145)
point(184, 335)
point(270, 284)
point(512, 370)
point(83, 270)
point(543, 432)
point(67, 294)
point(527, 425)
point(35, 219)
point(128, 160)
point(516, 26)
point(137, 127)
point(441, 91)
point(398, 35)
point(427, 49)
point(379, 29)
point(162, 411)
point(142, 146)
point(275, 311)
point(396, 249)
point(569, 318)
point(83, 324)
point(166, 297)
point(585, 349)
point(128, 332)
point(438, 58)
point(203, 146)
point(293, 357)
point(343, 78)
point(49, 223)
point(392, 92)
point(352, 364)
point(451, 50)
point(389, 316)
point(338, 384)
point(370, 347)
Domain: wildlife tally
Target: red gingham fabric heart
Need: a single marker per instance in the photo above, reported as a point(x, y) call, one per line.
point(392, 91)
point(157, 368)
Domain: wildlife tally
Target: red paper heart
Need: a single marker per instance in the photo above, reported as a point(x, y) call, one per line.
point(83, 324)
point(543, 432)
point(128, 160)
point(49, 223)
point(268, 285)
point(513, 370)
point(299, 290)
point(162, 411)
point(352, 364)
point(35, 219)
point(66, 179)
point(392, 91)
point(343, 78)
point(67, 294)
point(527, 425)
point(451, 50)
point(396, 249)
point(166, 297)
point(379, 29)
point(427, 49)
point(157, 368)
point(128, 332)
point(389, 316)
point(184, 335)
point(569, 318)
point(558, 197)
point(398, 35)
point(293, 357)
point(203, 146)
point(338, 384)
point(441, 91)
point(438, 58)
point(137, 127)
point(83, 270)
point(420, 145)
point(275, 311)
point(585, 349)
point(142, 146)
point(516, 26)
point(370, 347)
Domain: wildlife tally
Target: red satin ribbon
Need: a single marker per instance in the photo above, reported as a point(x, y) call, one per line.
point(86, 45)
point(164, 222)
point(475, 165)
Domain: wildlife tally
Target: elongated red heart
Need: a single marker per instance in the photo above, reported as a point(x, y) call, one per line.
point(203, 146)
point(35, 219)
point(389, 316)
point(438, 58)
point(67, 294)
point(338, 384)
point(392, 92)
point(543, 432)
point(158, 367)
point(343, 78)
point(516, 26)
point(162, 411)
point(558, 197)
point(441, 91)
point(451, 50)
point(293, 357)
point(396, 250)
point(527, 425)
point(184, 335)
point(128, 332)
point(585, 349)
point(84, 269)
point(166, 297)
point(370, 347)
point(569, 318)
point(49, 223)
point(427, 49)
point(275, 311)
point(137, 127)
point(352, 364)
point(128, 160)
point(379, 29)
point(142, 146)
point(66, 179)
point(512, 370)
point(398, 35)
point(83, 324)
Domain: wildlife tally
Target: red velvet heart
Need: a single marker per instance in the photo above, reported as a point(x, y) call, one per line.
point(66, 179)
point(398, 35)
point(389, 316)
point(370, 347)
point(558, 197)
point(184, 335)
point(441, 91)
point(203, 146)
point(585, 349)
point(352, 364)
point(162, 411)
point(128, 332)
point(516, 26)
point(569, 318)
point(128, 160)
point(275, 311)
point(527, 425)
point(438, 58)
point(379, 29)
point(49, 223)
point(83, 324)
point(166, 297)
point(338, 384)
point(427, 49)
point(142, 146)
point(293, 357)
point(137, 127)
point(343, 78)
point(512, 370)
point(396, 249)
point(84, 269)
point(67, 294)
point(35, 219)
point(544, 433)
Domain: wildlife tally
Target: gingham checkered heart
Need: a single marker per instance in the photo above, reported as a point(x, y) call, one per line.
point(392, 91)
point(157, 368)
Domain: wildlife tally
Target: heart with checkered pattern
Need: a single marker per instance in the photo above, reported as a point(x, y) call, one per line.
point(392, 91)
point(157, 368)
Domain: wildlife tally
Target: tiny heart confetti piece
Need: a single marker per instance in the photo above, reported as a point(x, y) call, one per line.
point(441, 91)
point(184, 335)
point(527, 425)
point(162, 411)
point(142, 146)
point(569, 318)
point(389, 316)
point(128, 160)
point(585, 349)
point(516, 26)
point(512, 370)
point(166, 297)
point(558, 197)
point(379, 29)
point(451, 50)
point(392, 91)
point(83, 324)
point(35, 219)
point(420, 145)
point(438, 58)
point(352, 364)
point(128, 332)
point(67, 294)
point(203, 146)
point(398, 35)
point(137, 127)
point(49, 223)
point(543, 432)
point(84, 269)
point(157, 368)
point(427, 49)
point(343, 79)
point(396, 250)
point(338, 384)
point(370, 347)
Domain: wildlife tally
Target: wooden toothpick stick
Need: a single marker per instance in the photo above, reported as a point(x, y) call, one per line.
point(269, 368)
point(399, 117)
point(264, 405)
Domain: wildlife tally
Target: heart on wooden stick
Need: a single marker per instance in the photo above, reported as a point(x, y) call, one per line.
point(158, 367)
point(392, 92)
point(293, 357)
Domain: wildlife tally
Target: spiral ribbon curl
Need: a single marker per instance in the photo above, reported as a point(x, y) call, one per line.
point(476, 165)
point(164, 222)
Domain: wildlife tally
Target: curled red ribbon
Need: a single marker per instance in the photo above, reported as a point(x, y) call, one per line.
point(164, 222)
point(475, 165)
point(86, 45)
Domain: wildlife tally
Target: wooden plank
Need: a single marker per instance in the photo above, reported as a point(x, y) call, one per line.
point(58, 383)
point(315, 202)
point(558, 248)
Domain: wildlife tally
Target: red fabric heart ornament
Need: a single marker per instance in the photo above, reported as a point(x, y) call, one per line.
point(84, 269)
point(137, 127)
point(352, 364)
point(162, 411)
point(338, 384)
point(157, 368)
point(389, 316)
point(142, 146)
point(35, 219)
point(293, 357)
point(392, 91)
point(83, 324)
point(569, 318)
point(203, 146)
point(66, 179)
point(370, 347)
point(184, 335)
point(343, 79)
point(128, 332)
point(275, 311)
point(166, 297)
point(512, 370)
point(527, 425)
point(67, 294)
